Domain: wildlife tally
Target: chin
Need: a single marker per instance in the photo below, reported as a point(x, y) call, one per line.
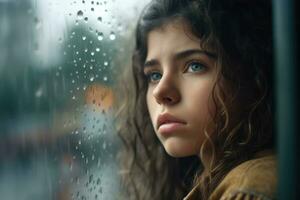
point(179, 149)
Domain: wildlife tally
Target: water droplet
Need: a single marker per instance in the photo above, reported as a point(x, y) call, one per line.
point(92, 9)
point(79, 142)
point(112, 36)
point(105, 78)
point(91, 178)
point(98, 181)
point(86, 19)
point(39, 92)
point(105, 63)
point(120, 27)
point(97, 49)
point(92, 78)
point(83, 37)
point(100, 36)
point(92, 53)
point(73, 97)
point(99, 19)
point(38, 23)
point(80, 14)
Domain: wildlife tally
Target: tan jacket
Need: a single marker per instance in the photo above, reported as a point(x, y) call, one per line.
point(254, 179)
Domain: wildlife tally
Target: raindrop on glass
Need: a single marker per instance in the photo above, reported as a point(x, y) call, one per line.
point(98, 181)
point(80, 14)
point(92, 78)
point(99, 19)
point(39, 92)
point(38, 23)
point(83, 37)
point(90, 178)
point(97, 49)
point(100, 36)
point(86, 19)
point(105, 78)
point(112, 36)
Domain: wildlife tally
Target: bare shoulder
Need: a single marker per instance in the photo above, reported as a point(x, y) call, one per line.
point(255, 178)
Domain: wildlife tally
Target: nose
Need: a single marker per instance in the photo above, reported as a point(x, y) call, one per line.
point(166, 91)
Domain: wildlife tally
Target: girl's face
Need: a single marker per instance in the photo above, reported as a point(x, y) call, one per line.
point(181, 76)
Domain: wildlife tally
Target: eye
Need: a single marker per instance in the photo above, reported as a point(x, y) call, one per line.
point(153, 76)
point(195, 67)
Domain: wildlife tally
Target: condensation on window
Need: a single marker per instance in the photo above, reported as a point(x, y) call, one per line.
point(58, 61)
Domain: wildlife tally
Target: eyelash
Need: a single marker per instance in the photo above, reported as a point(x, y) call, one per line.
point(188, 65)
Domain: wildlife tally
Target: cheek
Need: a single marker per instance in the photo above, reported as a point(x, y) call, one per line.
point(201, 104)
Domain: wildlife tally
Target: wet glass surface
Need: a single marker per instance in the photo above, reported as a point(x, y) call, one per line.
point(58, 61)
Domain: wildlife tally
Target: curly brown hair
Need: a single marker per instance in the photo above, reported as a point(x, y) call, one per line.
point(240, 33)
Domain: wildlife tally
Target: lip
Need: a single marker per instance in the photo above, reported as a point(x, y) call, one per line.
point(168, 123)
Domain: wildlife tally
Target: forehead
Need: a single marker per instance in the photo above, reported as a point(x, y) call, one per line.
point(173, 36)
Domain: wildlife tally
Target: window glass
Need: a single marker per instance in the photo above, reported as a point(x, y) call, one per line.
point(58, 61)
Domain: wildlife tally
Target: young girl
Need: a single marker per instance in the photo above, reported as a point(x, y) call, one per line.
point(199, 119)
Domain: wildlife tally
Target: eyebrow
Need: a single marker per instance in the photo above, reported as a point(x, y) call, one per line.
point(182, 54)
